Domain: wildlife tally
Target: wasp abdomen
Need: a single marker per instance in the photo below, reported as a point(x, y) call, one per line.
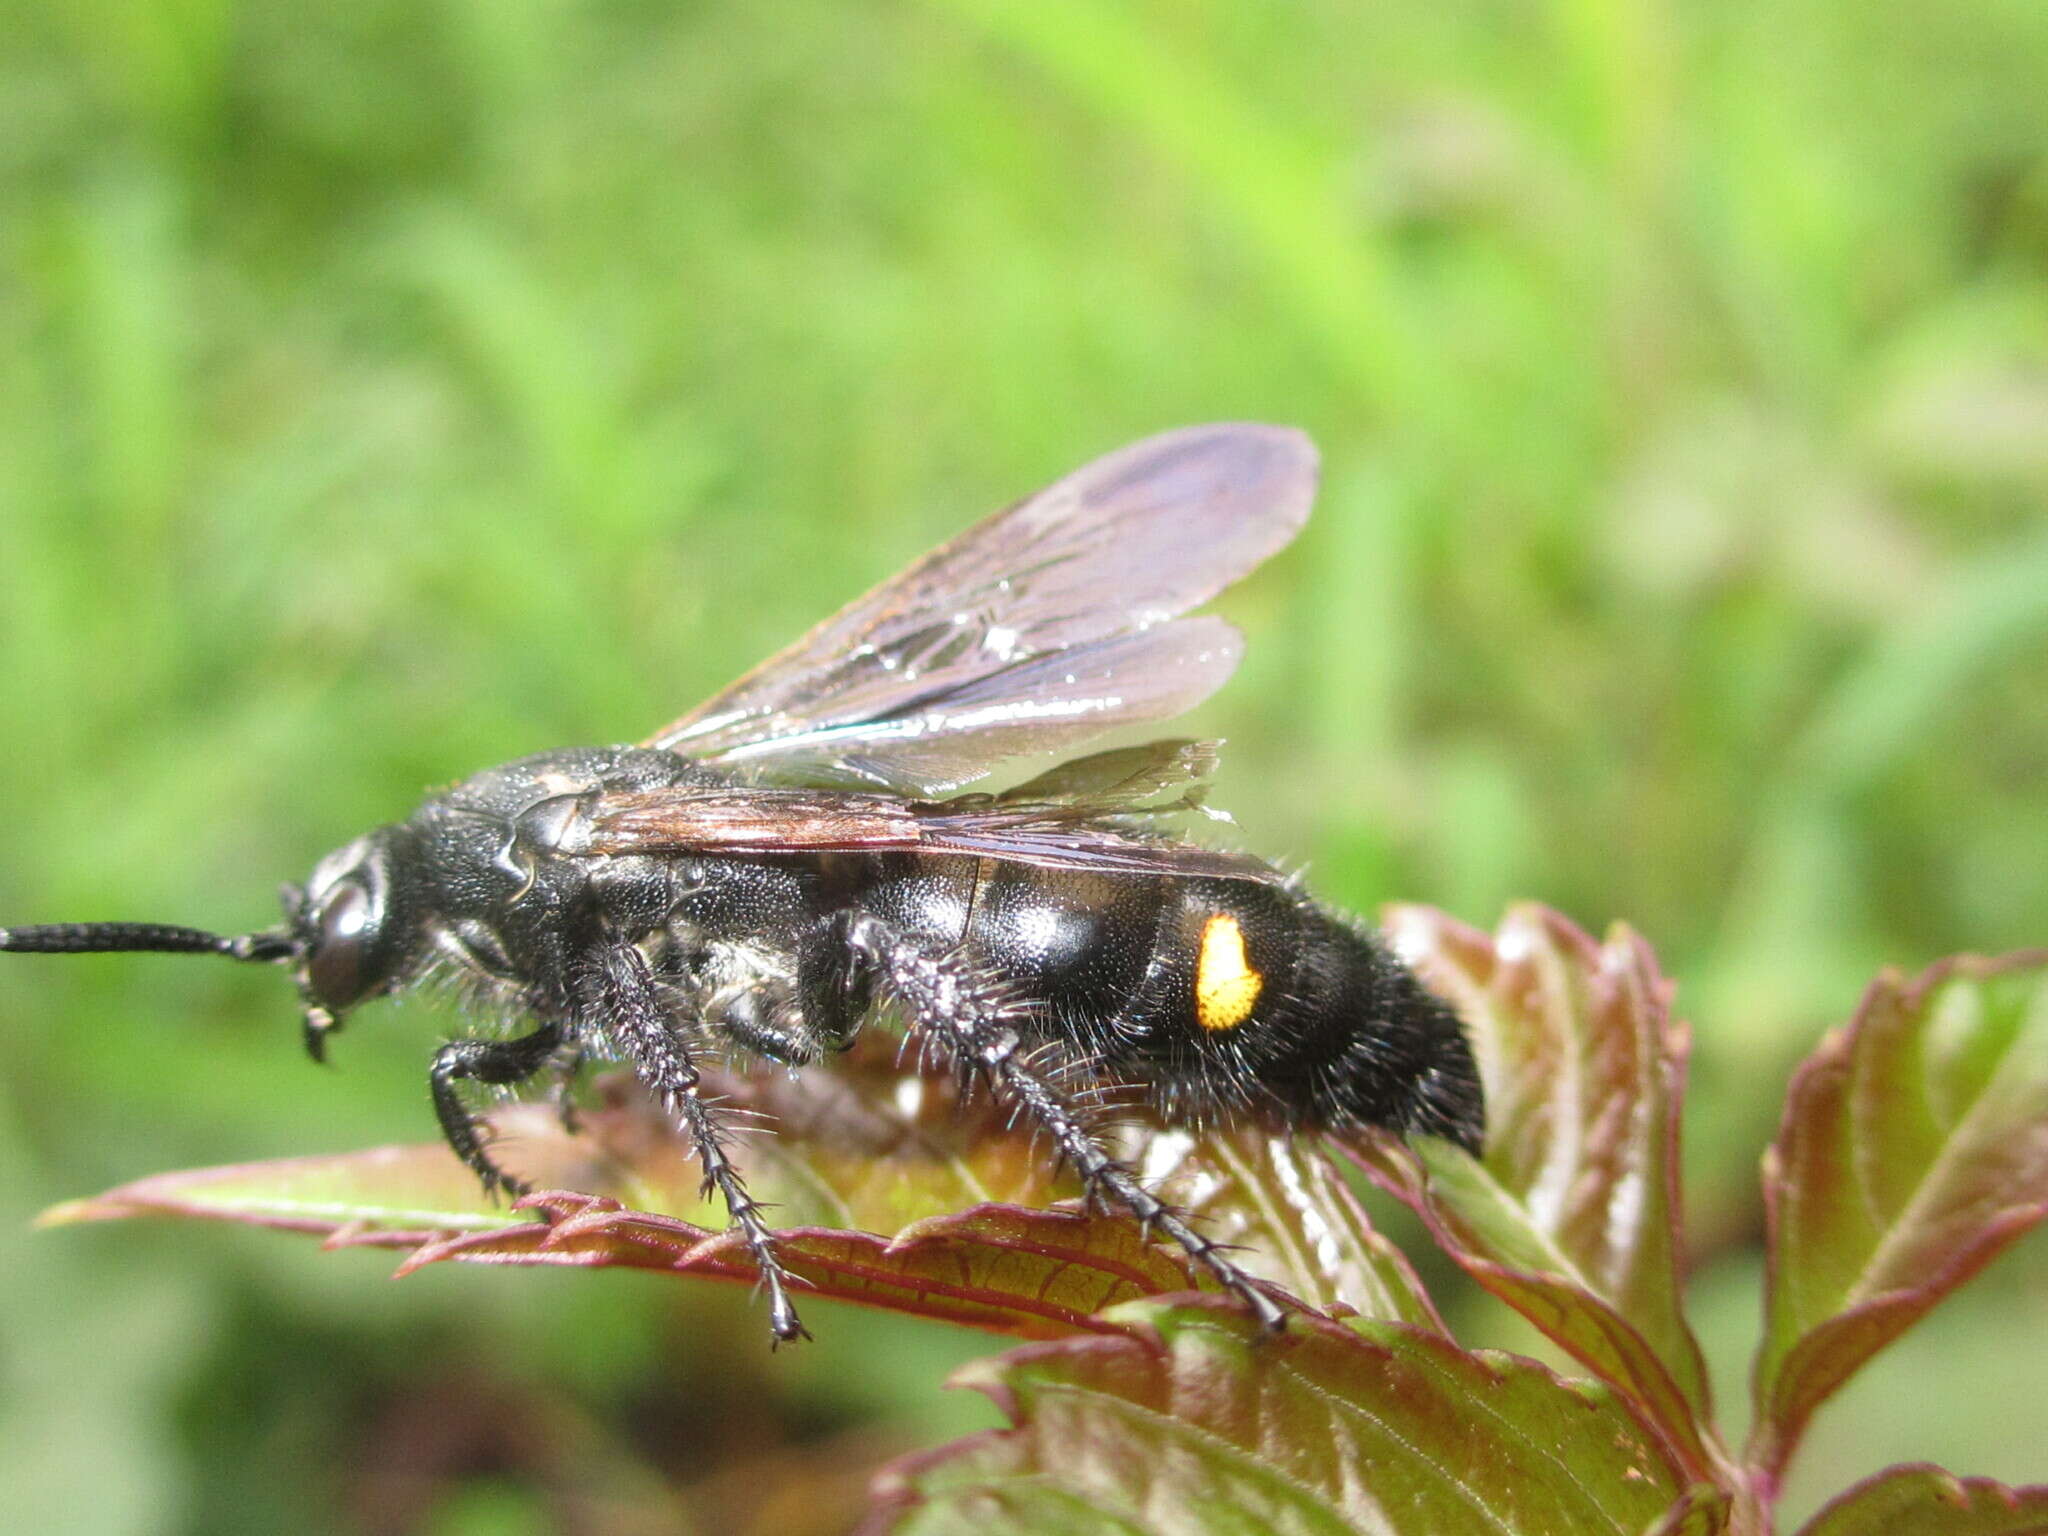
point(1259, 1001)
point(1218, 999)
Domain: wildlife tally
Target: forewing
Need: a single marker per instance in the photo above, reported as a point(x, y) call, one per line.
point(938, 739)
point(687, 819)
point(942, 671)
point(1074, 834)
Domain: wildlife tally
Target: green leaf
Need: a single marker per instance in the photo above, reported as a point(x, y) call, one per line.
point(1572, 1217)
point(1927, 1501)
point(1914, 1148)
point(1193, 1421)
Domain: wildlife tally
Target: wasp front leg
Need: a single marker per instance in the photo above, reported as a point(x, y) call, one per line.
point(977, 1019)
point(621, 997)
point(501, 1063)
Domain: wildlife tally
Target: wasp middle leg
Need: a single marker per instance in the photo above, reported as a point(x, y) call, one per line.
point(977, 1019)
point(623, 999)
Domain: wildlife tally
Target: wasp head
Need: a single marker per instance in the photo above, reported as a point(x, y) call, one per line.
point(352, 931)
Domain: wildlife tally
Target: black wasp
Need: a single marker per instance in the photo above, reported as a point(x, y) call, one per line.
point(766, 873)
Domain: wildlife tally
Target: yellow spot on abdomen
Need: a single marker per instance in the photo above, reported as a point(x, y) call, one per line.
point(1226, 987)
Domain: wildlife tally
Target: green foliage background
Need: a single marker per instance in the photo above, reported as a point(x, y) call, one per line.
point(390, 389)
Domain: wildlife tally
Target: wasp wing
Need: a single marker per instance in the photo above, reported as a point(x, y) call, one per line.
point(1036, 629)
point(954, 733)
point(1057, 844)
point(1122, 778)
point(1092, 814)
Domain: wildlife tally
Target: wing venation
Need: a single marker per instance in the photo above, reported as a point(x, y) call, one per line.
point(1097, 813)
point(1038, 628)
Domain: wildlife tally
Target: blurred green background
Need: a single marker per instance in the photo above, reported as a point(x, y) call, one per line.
point(389, 389)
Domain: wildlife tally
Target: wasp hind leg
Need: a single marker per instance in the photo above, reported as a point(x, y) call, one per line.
point(500, 1063)
point(950, 1001)
point(621, 995)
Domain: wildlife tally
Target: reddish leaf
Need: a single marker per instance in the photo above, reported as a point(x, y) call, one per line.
point(1914, 1147)
point(1193, 1421)
point(1283, 1203)
point(888, 1189)
point(1006, 1268)
point(866, 1144)
point(1927, 1501)
point(1702, 1510)
point(1572, 1218)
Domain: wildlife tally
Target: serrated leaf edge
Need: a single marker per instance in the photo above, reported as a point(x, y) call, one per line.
point(1773, 1441)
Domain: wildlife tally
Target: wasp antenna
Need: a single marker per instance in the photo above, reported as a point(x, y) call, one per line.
point(160, 938)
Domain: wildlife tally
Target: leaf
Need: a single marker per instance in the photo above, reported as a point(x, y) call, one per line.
point(888, 1191)
point(1193, 1421)
point(889, 1187)
point(1913, 1149)
point(1702, 1510)
point(1928, 1501)
point(1572, 1217)
point(1286, 1207)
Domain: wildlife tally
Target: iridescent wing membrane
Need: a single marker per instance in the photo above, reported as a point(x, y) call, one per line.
point(1086, 814)
point(1034, 630)
point(1044, 625)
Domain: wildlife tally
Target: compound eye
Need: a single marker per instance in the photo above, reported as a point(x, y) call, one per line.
point(335, 969)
